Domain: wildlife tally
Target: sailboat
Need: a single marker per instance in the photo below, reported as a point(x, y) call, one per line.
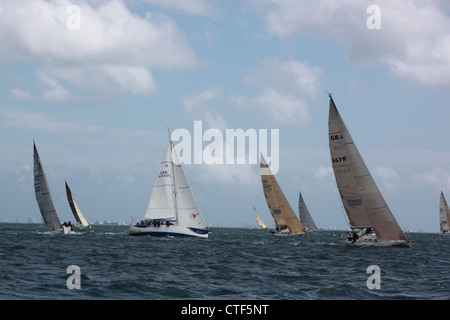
point(259, 221)
point(444, 216)
point(172, 209)
point(44, 197)
point(77, 213)
point(362, 200)
point(305, 216)
point(287, 223)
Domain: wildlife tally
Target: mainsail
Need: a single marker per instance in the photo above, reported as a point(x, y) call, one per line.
point(281, 210)
point(77, 213)
point(362, 200)
point(171, 198)
point(43, 196)
point(259, 221)
point(444, 214)
point(305, 216)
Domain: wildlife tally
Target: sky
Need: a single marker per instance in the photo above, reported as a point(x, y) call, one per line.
point(97, 84)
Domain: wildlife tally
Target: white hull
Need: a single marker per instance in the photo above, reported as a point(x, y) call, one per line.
point(444, 233)
point(163, 230)
point(371, 240)
point(285, 233)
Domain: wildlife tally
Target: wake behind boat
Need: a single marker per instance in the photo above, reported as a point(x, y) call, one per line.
point(172, 209)
point(362, 200)
point(287, 223)
point(44, 197)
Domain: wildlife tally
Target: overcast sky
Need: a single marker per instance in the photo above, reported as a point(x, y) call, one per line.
point(96, 84)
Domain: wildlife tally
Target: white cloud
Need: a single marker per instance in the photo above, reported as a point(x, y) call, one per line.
point(286, 86)
point(389, 177)
point(199, 106)
point(408, 43)
point(113, 48)
point(195, 7)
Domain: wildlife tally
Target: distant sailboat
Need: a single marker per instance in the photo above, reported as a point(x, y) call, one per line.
point(287, 223)
point(362, 200)
point(44, 197)
point(259, 220)
point(444, 216)
point(305, 216)
point(172, 209)
point(77, 213)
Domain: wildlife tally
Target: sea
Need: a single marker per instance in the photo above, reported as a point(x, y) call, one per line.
point(234, 266)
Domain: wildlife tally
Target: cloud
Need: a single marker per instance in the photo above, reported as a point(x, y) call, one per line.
point(389, 177)
point(286, 87)
point(111, 47)
point(198, 105)
point(194, 7)
point(407, 43)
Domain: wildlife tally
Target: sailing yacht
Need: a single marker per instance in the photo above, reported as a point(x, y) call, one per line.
point(44, 197)
point(305, 216)
point(259, 221)
point(287, 223)
point(371, 219)
point(444, 216)
point(172, 209)
point(77, 213)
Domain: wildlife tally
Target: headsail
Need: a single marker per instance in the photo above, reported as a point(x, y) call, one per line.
point(259, 221)
point(305, 216)
point(42, 192)
point(363, 202)
point(280, 208)
point(77, 213)
point(444, 214)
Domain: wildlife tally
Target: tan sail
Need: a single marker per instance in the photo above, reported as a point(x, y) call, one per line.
point(362, 200)
point(259, 221)
point(281, 211)
point(444, 214)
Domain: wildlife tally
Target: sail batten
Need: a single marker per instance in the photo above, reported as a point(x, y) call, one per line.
point(362, 200)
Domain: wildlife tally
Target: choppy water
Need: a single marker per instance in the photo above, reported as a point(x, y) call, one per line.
point(234, 263)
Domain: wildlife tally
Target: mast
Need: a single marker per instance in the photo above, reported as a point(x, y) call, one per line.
point(174, 187)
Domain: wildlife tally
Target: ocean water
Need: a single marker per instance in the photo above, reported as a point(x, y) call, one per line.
point(232, 264)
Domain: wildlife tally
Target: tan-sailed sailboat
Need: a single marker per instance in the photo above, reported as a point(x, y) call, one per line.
point(362, 200)
point(444, 216)
point(287, 223)
point(259, 221)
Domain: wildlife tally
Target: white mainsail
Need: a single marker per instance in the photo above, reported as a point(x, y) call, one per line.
point(444, 215)
point(362, 200)
point(279, 207)
point(305, 216)
point(259, 221)
point(43, 195)
point(77, 213)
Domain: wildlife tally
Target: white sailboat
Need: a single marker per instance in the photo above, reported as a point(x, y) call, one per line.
point(305, 216)
point(362, 200)
point(444, 216)
point(287, 223)
point(259, 221)
point(172, 209)
point(44, 197)
point(77, 213)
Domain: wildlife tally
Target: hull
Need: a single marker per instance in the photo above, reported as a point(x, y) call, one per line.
point(447, 233)
point(163, 231)
point(371, 240)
